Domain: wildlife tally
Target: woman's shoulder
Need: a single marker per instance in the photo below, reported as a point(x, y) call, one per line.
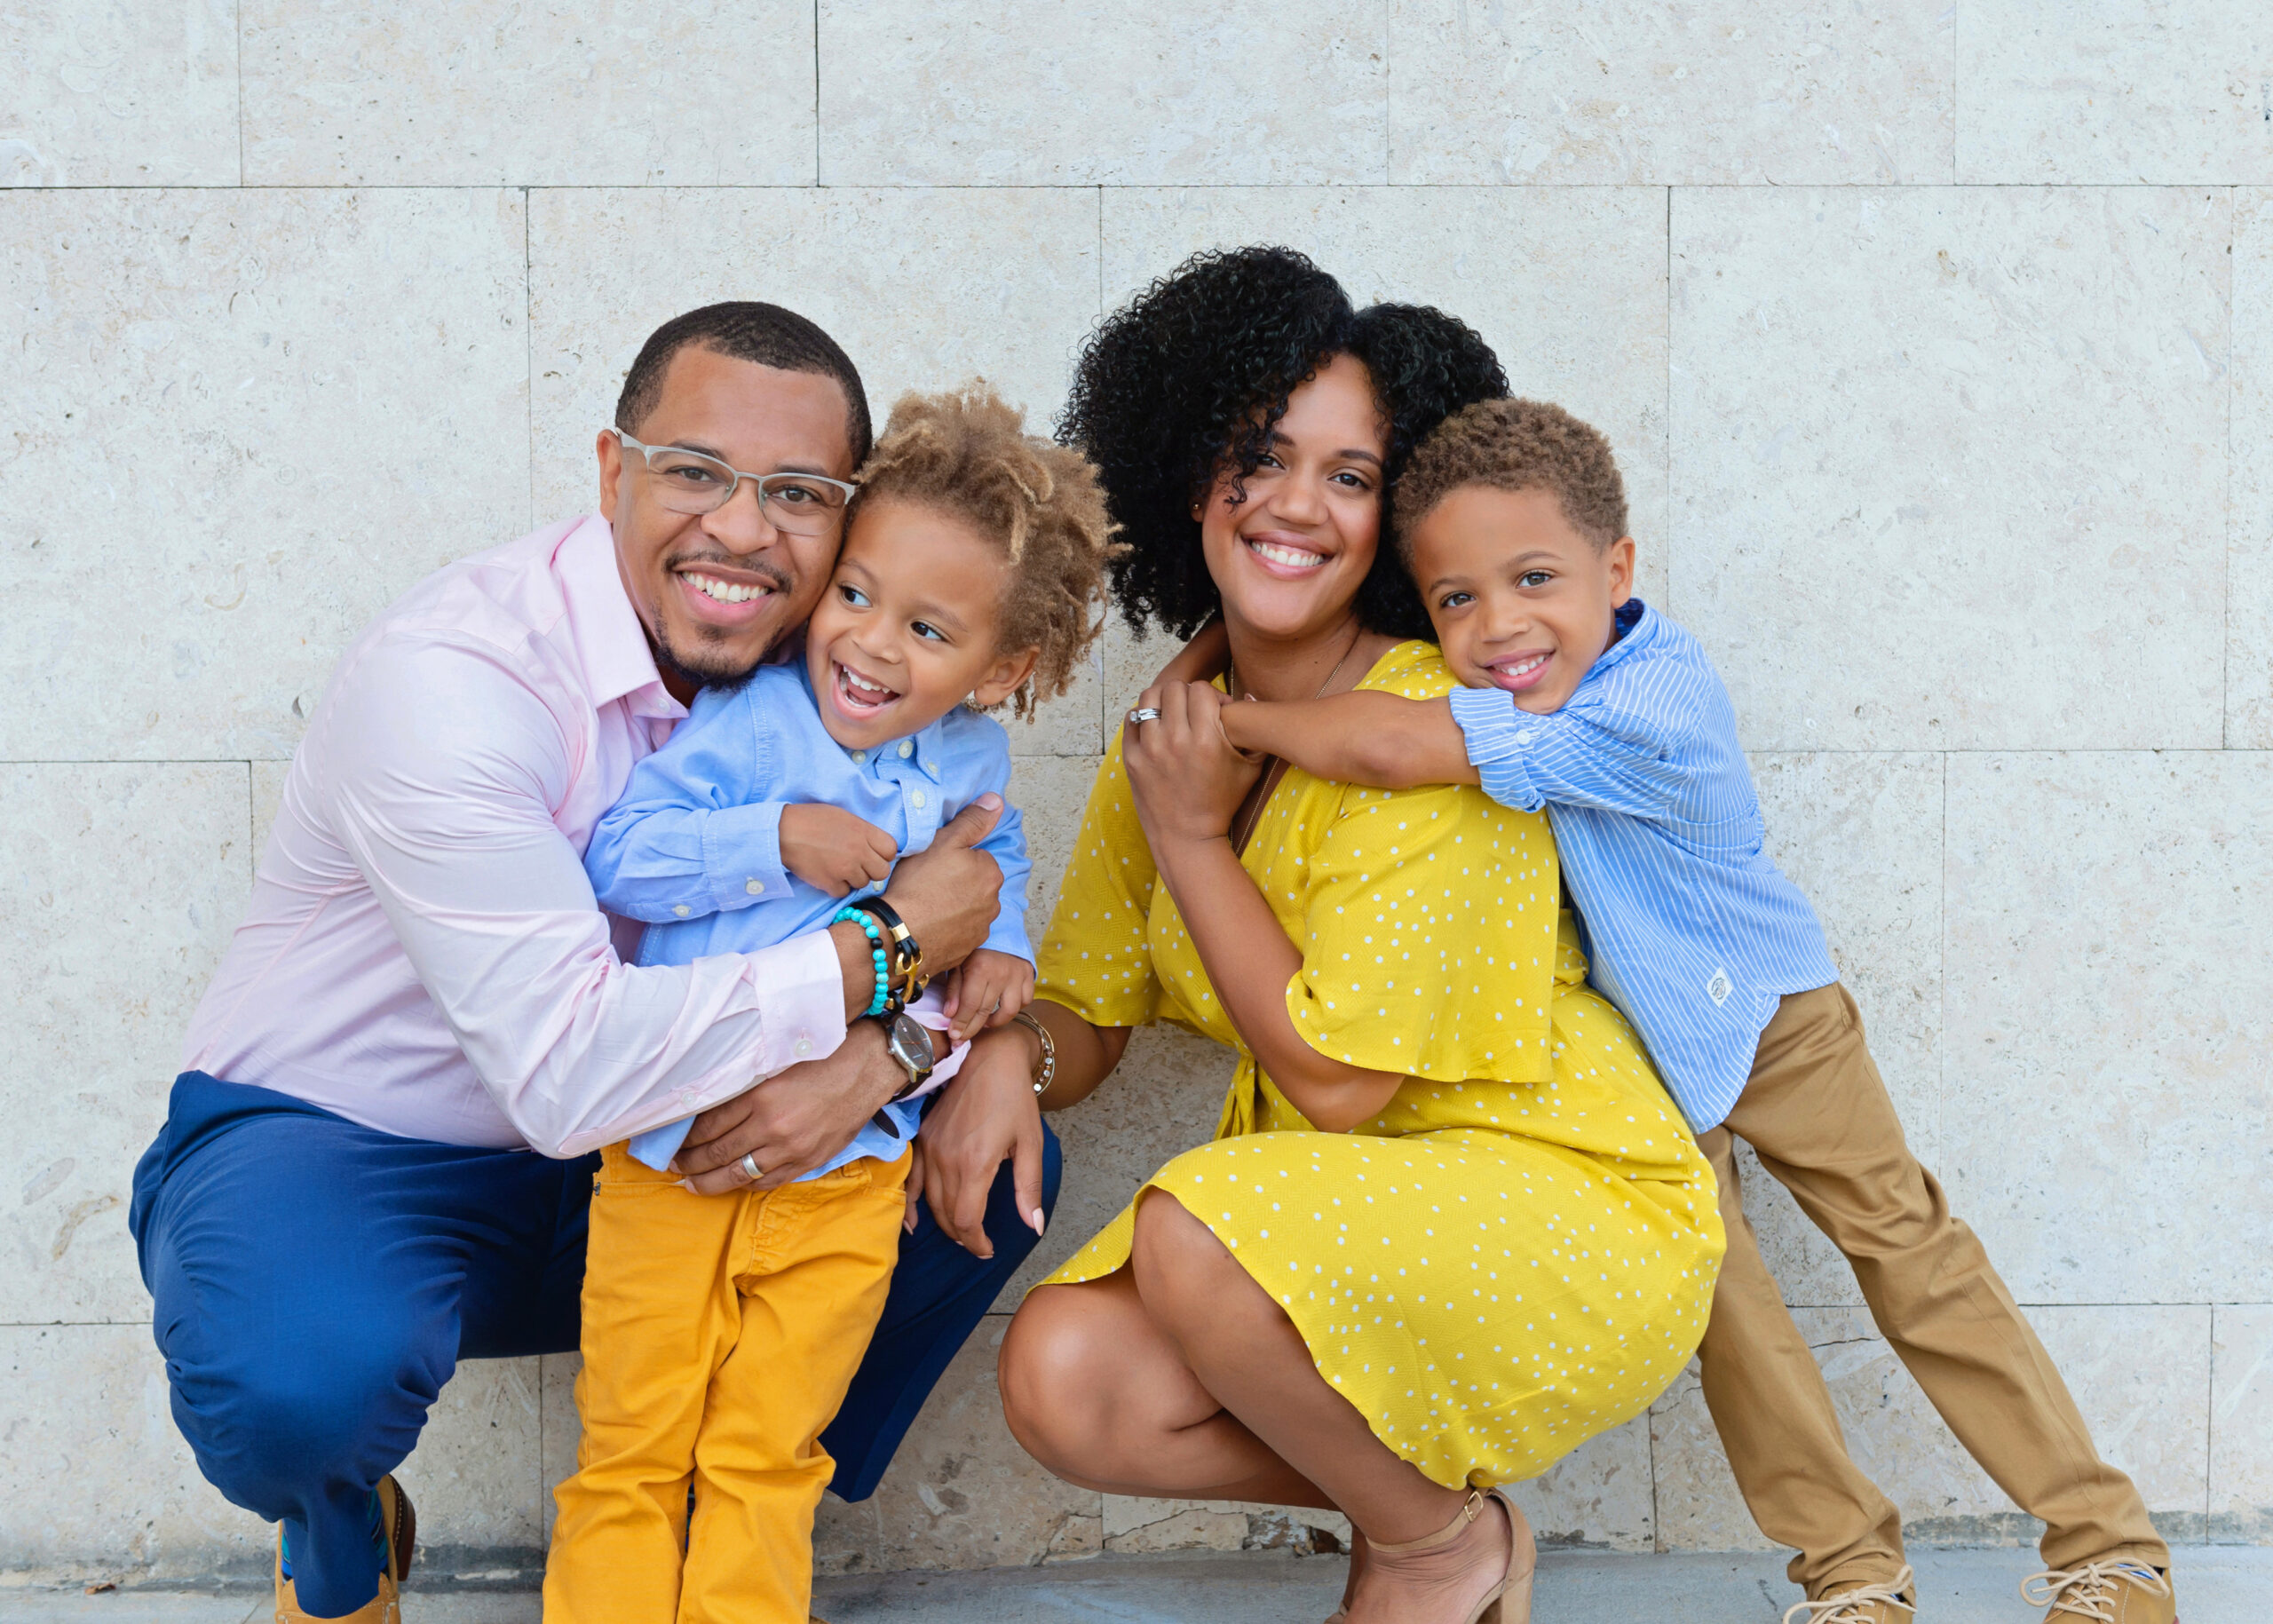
point(1411, 669)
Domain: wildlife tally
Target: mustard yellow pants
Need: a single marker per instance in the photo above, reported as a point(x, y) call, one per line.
point(720, 1334)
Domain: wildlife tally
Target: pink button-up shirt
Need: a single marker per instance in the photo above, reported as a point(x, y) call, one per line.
point(423, 955)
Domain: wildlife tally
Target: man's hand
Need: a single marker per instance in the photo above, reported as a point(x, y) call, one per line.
point(834, 851)
point(987, 1115)
point(986, 990)
point(794, 1120)
point(948, 893)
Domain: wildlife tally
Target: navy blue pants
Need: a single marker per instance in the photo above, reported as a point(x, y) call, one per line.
point(316, 1283)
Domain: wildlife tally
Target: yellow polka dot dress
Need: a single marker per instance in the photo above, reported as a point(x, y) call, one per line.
point(1518, 1253)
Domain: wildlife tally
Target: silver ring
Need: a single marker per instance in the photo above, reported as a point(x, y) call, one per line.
point(1143, 713)
point(749, 1166)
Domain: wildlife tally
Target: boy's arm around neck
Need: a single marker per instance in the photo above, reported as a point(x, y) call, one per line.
point(1362, 737)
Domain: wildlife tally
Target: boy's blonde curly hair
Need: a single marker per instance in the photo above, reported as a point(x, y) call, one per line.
point(966, 452)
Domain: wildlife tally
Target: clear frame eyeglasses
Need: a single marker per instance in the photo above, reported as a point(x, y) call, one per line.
point(689, 482)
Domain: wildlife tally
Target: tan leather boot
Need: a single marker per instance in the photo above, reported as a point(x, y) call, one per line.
point(400, 1520)
point(2104, 1592)
point(1892, 1602)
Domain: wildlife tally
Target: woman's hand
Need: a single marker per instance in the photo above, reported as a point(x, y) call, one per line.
point(989, 1114)
point(1187, 779)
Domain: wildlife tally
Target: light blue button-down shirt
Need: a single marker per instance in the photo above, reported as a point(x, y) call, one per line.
point(1690, 930)
point(694, 845)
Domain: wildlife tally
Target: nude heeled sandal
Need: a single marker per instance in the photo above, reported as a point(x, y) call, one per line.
point(1509, 1601)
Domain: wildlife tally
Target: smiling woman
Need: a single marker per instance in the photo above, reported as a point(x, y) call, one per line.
point(1449, 1227)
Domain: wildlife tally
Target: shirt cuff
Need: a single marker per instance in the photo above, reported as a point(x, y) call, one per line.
point(800, 987)
point(1497, 737)
point(742, 855)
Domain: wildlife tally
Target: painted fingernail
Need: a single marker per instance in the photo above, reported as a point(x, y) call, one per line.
point(1038, 1220)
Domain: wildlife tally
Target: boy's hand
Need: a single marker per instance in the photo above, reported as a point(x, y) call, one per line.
point(1207, 656)
point(834, 851)
point(986, 990)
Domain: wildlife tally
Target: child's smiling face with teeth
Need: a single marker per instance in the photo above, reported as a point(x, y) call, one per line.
point(1520, 599)
point(908, 626)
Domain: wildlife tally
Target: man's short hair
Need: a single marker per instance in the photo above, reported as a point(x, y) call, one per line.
point(1516, 446)
point(744, 329)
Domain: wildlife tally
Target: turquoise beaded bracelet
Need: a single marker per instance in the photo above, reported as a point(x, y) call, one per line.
point(876, 935)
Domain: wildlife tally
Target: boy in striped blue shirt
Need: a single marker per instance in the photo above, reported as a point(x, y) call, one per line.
point(1578, 697)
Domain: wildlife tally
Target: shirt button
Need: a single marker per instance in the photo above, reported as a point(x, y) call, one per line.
point(918, 797)
point(1523, 737)
point(907, 749)
point(682, 910)
point(859, 755)
point(754, 887)
point(804, 1046)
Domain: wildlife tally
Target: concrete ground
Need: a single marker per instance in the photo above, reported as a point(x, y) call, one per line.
point(2217, 1585)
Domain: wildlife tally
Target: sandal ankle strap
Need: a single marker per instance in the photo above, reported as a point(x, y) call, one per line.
point(1469, 1510)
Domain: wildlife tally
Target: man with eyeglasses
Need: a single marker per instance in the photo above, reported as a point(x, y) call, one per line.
point(343, 1202)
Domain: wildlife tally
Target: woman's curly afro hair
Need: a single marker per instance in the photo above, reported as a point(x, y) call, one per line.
point(1185, 383)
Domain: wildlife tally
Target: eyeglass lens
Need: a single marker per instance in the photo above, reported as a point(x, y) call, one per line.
point(688, 482)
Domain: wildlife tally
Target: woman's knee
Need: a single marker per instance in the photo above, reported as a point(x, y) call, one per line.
point(1055, 1372)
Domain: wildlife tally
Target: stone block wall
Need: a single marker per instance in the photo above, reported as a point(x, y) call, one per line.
point(1937, 344)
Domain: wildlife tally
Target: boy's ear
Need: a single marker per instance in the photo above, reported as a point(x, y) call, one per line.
point(1620, 559)
point(1003, 678)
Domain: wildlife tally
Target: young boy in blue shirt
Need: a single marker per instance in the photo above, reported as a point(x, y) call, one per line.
point(720, 1332)
point(1578, 697)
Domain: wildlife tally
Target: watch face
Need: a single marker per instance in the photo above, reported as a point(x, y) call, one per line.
point(910, 1044)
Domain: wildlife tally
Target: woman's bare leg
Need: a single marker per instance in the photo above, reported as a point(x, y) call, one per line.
point(1098, 1393)
point(1241, 1351)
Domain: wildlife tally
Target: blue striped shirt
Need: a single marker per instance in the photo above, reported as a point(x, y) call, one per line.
point(1690, 929)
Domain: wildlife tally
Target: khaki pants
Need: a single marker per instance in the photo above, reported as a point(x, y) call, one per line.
point(1819, 1117)
point(720, 1333)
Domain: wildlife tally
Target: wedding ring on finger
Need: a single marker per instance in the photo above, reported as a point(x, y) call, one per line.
point(1143, 713)
point(749, 1166)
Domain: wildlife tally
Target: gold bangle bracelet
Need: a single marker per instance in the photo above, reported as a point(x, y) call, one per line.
point(1048, 1072)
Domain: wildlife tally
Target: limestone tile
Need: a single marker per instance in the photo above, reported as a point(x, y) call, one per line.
point(617, 93)
point(95, 1481)
point(1692, 95)
point(110, 94)
point(2107, 1040)
point(121, 883)
point(1569, 286)
point(924, 289)
point(1598, 1497)
point(960, 93)
point(1936, 451)
point(1136, 1526)
point(1861, 835)
point(1161, 1101)
point(267, 796)
point(2139, 1375)
point(2241, 1424)
point(1050, 792)
point(961, 1494)
point(2249, 584)
point(476, 1476)
point(1068, 724)
point(290, 404)
point(2086, 92)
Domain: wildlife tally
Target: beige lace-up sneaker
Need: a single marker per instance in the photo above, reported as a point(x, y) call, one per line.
point(399, 1520)
point(1892, 1602)
point(2104, 1592)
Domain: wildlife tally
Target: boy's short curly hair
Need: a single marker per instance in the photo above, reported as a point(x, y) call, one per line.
point(966, 452)
point(1516, 446)
point(1184, 383)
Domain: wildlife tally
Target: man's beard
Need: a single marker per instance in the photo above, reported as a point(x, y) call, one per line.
point(696, 672)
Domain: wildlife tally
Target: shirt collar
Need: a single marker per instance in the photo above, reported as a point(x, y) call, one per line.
point(618, 663)
point(1637, 623)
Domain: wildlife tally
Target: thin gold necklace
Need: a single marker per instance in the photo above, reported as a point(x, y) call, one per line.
point(1274, 769)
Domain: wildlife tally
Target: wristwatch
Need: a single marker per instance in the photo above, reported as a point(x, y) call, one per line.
point(908, 1041)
